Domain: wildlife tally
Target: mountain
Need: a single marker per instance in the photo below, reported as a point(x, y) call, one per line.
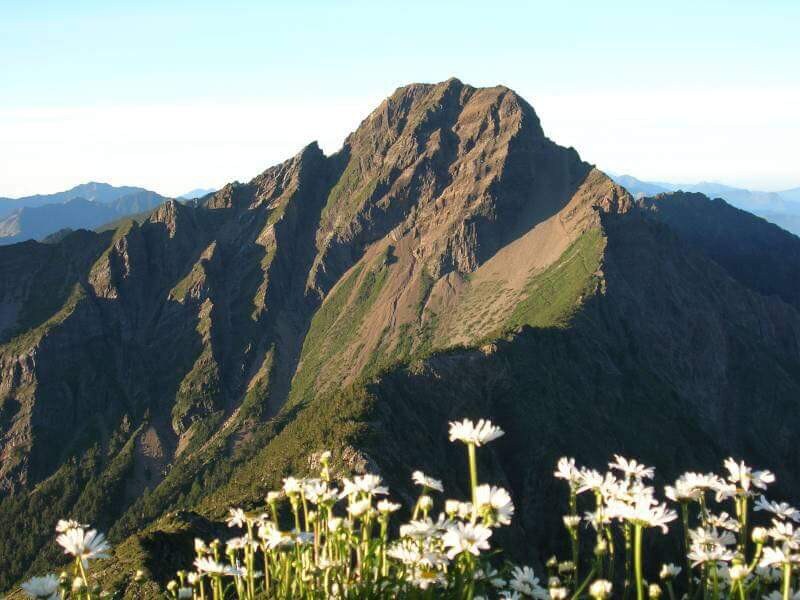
point(793, 195)
point(640, 188)
point(78, 213)
point(92, 191)
point(781, 208)
point(450, 260)
point(197, 193)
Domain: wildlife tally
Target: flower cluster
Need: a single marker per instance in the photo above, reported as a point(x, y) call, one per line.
point(724, 558)
point(327, 537)
point(83, 545)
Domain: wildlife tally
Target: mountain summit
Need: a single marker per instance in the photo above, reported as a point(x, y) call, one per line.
point(449, 260)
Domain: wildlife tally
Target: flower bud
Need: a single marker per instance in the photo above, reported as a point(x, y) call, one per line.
point(737, 572)
point(601, 548)
point(759, 535)
point(552, 565)
point(566, 567)
point(571, 522)
point(172, 585)
point(600, 589)
point(78, 584)
point(451, 508)
point(654, 591)
point(669, 571)
point(559, 593)
point(334, 523)
point(425, 503)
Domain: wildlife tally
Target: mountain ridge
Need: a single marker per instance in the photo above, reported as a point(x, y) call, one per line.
point(781, 208)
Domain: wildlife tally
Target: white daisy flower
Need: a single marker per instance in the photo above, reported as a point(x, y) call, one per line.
point(292, 485)
point(359, 507)
point(497, 501)
point(524, 581)
point(427, 482)
point(208, 565)
point(478, 433)
point(41, 588)
point(773, 557)
point(370, 484)
point(65, 525)
point(385, 506)
point(600, 589)
point(669, 571)
point(237, 518)
point(644, 511)
point(631, 468)
point(781, 509)
point(744, 477)
point(85, 545)
point(566, 470)
point(467, 537)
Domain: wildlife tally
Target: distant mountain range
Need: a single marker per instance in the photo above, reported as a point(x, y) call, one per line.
point(781, 208)
point(196, 193)
point(46, 217)
point(93, 191)
point(85, 206)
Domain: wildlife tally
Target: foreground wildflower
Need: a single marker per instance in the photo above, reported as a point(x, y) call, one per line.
point(780, 509)
point(42, 587)
point(524, 581)
point(600, 589)
point(478, 433)
point(643, 512)
point(84, 545)
point(341, 542)
point(466, 538)
point(495, 504)
point(427, 482)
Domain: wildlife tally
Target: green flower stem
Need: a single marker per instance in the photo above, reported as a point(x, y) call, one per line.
point(637, 561)
point(84, 577)
point(787, 579)
point(473, 477)
point(583, 584)
point(670, 590)
point(714, 581)
point(740, 585)
point(742, 510)
point(628, 551)
point(686, 546)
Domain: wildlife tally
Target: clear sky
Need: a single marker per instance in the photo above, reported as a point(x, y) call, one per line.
point(174, 95)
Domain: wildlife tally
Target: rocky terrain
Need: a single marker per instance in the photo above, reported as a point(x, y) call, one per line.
point(450, 260)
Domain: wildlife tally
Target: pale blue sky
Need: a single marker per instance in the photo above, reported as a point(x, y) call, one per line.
point(175, 95)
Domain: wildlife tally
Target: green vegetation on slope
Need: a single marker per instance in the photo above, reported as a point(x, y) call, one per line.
point(551, 297)
point(336, 324)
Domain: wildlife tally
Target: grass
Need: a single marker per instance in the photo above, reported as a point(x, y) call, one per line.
point(335, 324)
point(551, 297)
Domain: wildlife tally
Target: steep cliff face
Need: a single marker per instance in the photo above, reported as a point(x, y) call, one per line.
point(448, 260)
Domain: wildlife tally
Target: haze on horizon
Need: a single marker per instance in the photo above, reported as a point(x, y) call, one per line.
point(184, 95)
